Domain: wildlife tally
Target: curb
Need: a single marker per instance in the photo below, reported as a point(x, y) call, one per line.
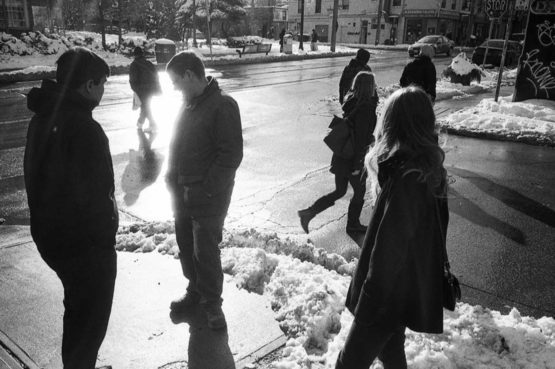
point(14, 77)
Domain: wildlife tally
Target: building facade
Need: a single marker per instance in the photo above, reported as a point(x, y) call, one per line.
point(16, 16)
point(401, 21)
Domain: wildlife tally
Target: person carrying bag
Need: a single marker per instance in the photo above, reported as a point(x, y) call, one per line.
point(349, 140)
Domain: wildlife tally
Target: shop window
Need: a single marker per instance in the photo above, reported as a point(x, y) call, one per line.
point(318, 6)
point(396, 2)
point(454, 5)
point(15, 10)
point(443, 4)
point(344, 4)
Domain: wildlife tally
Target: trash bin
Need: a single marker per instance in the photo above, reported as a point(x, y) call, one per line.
point(164, 49)
point(288, 44)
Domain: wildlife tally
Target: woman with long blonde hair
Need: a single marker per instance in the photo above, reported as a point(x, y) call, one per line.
point(359, 110)
point(398, 279)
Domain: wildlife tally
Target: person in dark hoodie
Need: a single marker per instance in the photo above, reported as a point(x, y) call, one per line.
point(144, 81)
point(205, 152)
point(69, 180)
point(421, 72)
point(360, 112)
point(358, 64)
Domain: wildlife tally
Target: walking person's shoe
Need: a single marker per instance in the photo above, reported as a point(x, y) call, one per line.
point(306, 216)
point(356, 227)
point(185, 302)
point(215, 316)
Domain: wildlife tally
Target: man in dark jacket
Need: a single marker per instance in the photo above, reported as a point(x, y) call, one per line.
point(421, 72)
point(205, 152)
point(358, 64)
point(70, 190)
point(144, 81)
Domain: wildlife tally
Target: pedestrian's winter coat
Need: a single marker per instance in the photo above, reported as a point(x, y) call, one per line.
point(398, 280)
point(314, 37)
point(143, 78)
point(362, 119)
point(349, 73)
point(68, 175)
point(422, 72)
point(206, 150)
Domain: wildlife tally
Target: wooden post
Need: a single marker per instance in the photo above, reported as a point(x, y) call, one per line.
point(334, 25)
point(489, 37)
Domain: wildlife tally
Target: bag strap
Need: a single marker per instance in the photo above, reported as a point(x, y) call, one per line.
point(443, 240)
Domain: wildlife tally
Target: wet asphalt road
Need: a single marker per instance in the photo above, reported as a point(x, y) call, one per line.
point(502, 199)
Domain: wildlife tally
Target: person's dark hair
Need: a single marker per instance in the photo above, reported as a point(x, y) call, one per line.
point(138, 51)
point(363, 56)
point(186, 60)
point(407, 124)
point(79, 65)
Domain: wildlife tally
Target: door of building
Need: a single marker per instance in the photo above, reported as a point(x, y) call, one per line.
point(363, 32)
point(322, 31)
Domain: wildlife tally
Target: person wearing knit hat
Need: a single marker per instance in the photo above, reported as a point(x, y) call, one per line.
point(356, 65)
point(421, 72)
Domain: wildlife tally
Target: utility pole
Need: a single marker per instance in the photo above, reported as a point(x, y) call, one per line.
point(469, 31)
point(334, 25)
point(194, 25)
point(380, 8)
point(302, 26)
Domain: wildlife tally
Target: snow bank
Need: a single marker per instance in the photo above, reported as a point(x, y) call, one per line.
point(307, 289)
point(526, 121)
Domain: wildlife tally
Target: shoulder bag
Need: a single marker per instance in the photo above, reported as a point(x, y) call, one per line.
point(340, 138)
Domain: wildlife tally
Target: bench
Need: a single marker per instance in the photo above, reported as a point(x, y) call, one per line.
point(254, 49)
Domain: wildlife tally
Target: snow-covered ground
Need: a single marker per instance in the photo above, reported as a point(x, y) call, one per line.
point(307, 287)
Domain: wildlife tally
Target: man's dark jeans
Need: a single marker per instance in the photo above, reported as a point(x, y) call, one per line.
point(198, 238)
point(88, 281)
point(365, 343)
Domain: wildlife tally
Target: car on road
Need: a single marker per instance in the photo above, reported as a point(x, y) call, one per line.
point(495, 50)
point(441, 45)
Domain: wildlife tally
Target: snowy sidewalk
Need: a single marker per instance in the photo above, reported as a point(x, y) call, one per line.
point(141, 333)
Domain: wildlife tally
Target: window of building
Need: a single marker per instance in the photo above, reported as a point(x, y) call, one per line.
point(344, 4)
point(454, 5)
point(318, 6)
point(443, 4)
point(15, 12)
point(396, 2)
point(299, 6)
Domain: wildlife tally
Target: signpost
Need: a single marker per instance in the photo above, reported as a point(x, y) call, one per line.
point(495, 10)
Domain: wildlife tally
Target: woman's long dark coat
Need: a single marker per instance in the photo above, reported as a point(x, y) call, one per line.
point(398, 279)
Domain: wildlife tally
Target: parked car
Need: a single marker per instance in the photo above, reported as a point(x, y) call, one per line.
point(495, 50)
point(441, 44)
point(114, 30)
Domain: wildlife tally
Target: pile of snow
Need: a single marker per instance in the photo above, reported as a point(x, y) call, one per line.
point(33, 43)
point(463, 71)
point(526, 121)
point(307, 294)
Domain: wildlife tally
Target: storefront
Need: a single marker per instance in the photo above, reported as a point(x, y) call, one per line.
point(423, 22)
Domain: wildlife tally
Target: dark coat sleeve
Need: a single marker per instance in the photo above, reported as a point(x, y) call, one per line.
point(396, 233)
point(431, 79)
point(228, 138)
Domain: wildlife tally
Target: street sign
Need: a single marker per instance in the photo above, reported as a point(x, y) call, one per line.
point(496, 8)
point(522, 4)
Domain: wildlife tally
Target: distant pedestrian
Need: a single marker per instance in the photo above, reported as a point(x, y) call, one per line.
point(314, 41)
point(69, 180)
point(398, 280)
point(144, 82)
point(205, 152)
point(358, 64)
point(360, 112)
point(281, 36)
point(421, 72)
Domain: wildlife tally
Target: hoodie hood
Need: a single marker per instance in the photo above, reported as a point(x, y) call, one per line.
point(51, 96)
